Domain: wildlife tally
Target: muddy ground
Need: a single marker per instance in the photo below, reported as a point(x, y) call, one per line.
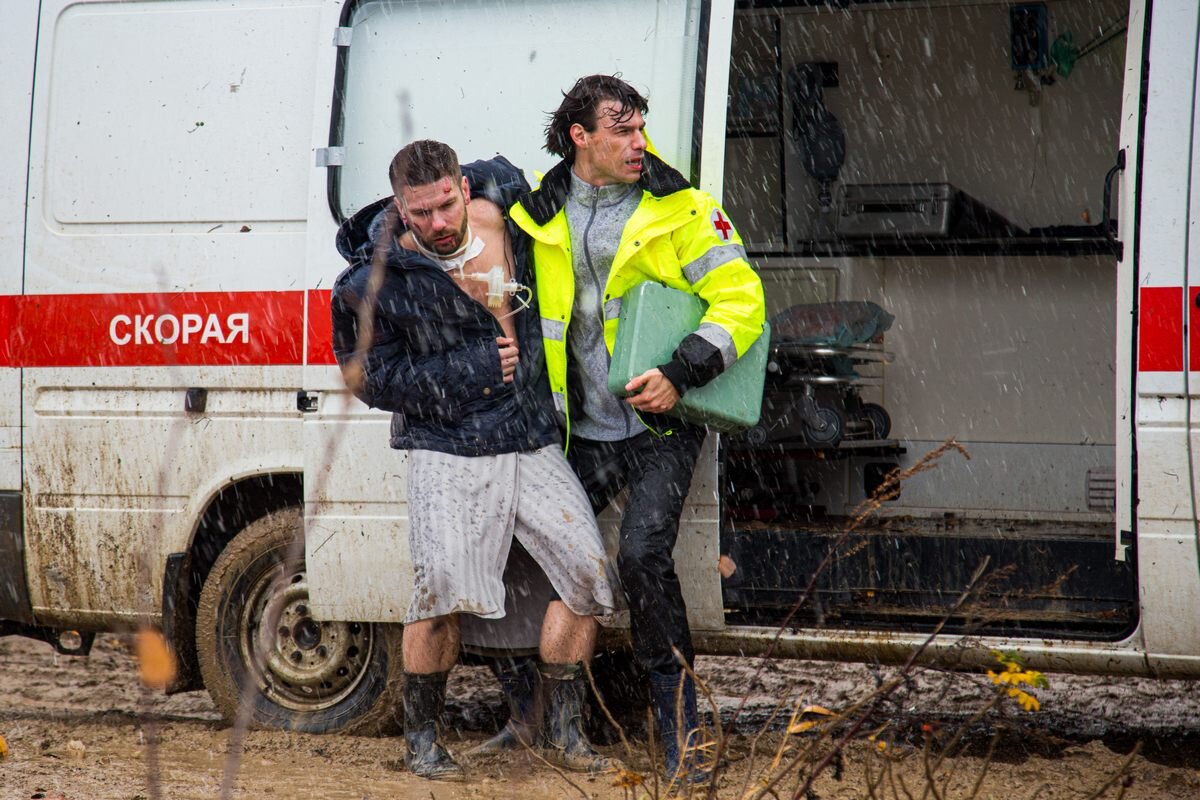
point(83, 728)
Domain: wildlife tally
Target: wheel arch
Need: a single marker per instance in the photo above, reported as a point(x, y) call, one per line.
point(227, 511)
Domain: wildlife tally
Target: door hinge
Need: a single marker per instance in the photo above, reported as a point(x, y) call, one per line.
point(307, 402)
point(330, 156)
point(342, 36)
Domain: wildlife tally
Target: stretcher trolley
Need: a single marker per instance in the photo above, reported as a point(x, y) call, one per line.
point(817, 360)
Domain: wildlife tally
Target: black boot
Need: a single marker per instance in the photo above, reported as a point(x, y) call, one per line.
point(678, 726)
point(424, 698)
point(566, 744)
point(518, 677)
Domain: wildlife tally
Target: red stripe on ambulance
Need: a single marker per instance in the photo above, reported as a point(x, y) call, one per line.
point(128, 330)
point(267, 329)
point(1161, 330)
point(320, 327)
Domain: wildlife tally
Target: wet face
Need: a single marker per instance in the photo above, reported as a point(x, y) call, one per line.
point(436, 213)
point(615, 151)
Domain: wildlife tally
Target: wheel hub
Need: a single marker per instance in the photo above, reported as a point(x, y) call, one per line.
point(307, 633)
point(301, 663)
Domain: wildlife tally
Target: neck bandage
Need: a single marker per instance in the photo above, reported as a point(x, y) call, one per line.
point(471, 247)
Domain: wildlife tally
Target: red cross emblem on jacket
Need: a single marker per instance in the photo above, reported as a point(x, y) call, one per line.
point(722, 226)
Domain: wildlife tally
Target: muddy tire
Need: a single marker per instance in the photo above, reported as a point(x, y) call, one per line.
point(268, 664)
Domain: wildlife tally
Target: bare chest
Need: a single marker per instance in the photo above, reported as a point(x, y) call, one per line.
point(474, 280)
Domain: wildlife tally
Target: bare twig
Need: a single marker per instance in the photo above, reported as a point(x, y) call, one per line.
point(987, 763)
point(885, 491)
point(587, 670)
point(745, 790)
point(1116, 776)
point(930, 780)
point(904, 670)
point(958, 736)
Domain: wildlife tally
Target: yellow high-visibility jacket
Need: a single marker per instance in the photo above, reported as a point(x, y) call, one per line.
point(679, 237)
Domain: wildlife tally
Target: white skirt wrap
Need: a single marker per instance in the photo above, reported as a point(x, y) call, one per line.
point(464, 512)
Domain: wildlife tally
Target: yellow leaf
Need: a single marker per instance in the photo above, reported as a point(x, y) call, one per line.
point(3, 749)
point(627, 779)
point(156, 662)
point(807, 725)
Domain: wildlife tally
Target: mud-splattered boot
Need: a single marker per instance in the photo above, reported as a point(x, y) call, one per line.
point(566, 745)
point(519, 681)
point(678, 727)
point(424, 698)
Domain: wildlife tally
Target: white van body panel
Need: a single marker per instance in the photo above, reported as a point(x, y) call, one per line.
point(134, 210)
point(206, 191)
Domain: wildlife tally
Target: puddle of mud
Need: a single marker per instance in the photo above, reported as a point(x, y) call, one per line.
point(1085, 729)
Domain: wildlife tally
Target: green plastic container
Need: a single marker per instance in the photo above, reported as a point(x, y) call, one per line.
point(654, 319)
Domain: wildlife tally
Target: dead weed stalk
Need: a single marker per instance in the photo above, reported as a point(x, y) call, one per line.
point(817, 741)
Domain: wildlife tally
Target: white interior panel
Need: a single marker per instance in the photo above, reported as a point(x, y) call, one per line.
point(1001, 349)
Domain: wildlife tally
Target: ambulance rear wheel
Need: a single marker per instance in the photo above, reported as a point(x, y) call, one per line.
point(757, 435)
point(828, 431)
point(269, 663)
point(880, 419)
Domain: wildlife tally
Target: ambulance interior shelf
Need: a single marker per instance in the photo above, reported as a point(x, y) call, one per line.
point(883, 218)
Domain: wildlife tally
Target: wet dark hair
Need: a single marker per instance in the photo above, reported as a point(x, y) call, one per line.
point(579, 106)
point(421, 163)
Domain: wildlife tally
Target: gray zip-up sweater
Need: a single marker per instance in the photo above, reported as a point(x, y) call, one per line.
point(596, 216)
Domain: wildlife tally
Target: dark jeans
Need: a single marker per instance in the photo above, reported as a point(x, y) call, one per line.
point(658, 471)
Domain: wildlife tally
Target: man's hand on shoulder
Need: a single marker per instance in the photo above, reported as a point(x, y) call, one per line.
point(654, 393)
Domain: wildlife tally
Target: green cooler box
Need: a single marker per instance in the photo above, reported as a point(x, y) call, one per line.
point(654, 319)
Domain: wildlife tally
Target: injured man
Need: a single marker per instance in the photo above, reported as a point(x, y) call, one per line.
point(432, 321)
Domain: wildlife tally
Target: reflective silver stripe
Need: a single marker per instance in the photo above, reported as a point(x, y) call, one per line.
point(712, 258)
point(612, 309)
point(721, 339)
point(553, 329)
point(560, 402)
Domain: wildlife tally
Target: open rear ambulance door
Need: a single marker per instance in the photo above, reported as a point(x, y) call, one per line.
point(479, 77)
point(18, 38)
point(1160, 209)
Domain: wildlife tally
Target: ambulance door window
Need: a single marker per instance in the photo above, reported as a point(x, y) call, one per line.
point(481, 78)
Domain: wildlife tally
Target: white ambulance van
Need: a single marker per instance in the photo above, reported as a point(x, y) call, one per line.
point(1012, 183)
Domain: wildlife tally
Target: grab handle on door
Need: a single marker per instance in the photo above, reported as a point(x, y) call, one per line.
point(1109, 229)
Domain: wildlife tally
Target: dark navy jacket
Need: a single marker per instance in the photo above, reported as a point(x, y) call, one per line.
point(434, 361)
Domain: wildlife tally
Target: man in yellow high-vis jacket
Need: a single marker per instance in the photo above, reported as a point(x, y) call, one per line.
point(609, 216)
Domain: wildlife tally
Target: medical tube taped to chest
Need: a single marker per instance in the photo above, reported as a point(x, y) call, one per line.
point(497, 286)
point(654, 319)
